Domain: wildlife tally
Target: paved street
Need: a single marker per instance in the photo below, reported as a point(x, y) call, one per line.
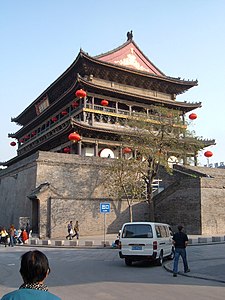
point(101, 274)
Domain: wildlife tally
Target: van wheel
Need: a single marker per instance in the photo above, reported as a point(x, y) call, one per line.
point(128, 262)
point(159, 260)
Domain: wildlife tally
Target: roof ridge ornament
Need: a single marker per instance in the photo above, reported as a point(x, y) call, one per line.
point(129, 35)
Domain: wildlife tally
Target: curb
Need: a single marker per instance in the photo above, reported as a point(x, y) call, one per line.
point(96, 243)
point(70, 244)
point(192, 276)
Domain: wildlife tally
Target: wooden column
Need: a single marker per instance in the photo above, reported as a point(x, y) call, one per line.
point(96, 149)
point(130, 110)
point(79, 144)
point(92, 114)
point(85, 105)
point(116, 107)
point(85, 102)
point(121, 152)
point(196, 159)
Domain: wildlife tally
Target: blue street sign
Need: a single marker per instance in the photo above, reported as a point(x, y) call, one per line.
point(104, 208)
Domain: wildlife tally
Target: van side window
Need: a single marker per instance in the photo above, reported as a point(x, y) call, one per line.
point(137, 231)
point(158, 232)
point(163, 231)
point(167, 231)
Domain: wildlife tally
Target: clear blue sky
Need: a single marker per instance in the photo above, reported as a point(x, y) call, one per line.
point(40, 39)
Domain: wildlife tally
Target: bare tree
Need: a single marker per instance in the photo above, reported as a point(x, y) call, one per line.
point(125, 181)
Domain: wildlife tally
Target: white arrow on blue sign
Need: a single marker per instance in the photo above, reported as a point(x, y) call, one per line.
point(104, 208)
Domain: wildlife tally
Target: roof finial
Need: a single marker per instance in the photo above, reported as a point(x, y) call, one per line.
point(129, 35)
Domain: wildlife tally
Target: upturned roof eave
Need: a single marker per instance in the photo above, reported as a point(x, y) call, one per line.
point(16, 119)
point(186, 84)
point(188, 106)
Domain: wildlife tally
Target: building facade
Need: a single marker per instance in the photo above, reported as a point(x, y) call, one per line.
point(55, 176)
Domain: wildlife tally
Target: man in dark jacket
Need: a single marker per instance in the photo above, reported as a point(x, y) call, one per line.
point(180, 241)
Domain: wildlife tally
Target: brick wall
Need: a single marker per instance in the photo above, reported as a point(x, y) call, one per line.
point(66, 187)
point(76, 192)
point(72, 190)
point(192, 200)
point(16, 182)
point(213, 205)
point(180, 203)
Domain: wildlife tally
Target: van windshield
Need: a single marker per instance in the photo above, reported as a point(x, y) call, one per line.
point(137, 231)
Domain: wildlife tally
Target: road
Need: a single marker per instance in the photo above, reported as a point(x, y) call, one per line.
point(100, 274)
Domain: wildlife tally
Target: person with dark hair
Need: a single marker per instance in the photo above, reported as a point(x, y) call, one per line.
point(4, 236)
point(180, 241)
point(34, 269)
point(76, 230)
point(28, 228)
point(24, 236)
point(70, 230)
point(12, 235)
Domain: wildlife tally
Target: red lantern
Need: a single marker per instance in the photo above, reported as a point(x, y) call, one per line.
point(192, 116)
point(13, 144)
point(126, 150)
point(74, 137)
point(81, 93)
point(104, 102)
point(75, 104)
point(64, 113)
point(26, 137)
point(33, 133)
point(208, 154)
point(66, 150)
point(21, 140)
point(54, 119)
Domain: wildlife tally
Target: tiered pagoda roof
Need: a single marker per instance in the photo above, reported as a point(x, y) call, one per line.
point(126, 65)
point(124, 75)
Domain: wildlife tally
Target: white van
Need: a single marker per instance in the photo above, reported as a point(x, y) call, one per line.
point(145, 241)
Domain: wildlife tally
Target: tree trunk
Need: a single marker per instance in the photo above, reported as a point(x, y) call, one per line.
point(130, 212)
point(150, 202)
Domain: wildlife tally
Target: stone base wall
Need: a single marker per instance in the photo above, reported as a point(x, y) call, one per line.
point(16, 182)
point(51, 189)
point(213, 205)
point(61, 187)
point(196, 203)
point(180, 203)
point(87, 213)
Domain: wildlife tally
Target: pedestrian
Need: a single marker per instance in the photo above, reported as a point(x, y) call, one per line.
point(4, 236)
point(18, 237)
point(24, 236)
point(12, 235)
point(28, 228)
point(76, 230)
point(180, 241)
point(70, 230)
point(34, 269)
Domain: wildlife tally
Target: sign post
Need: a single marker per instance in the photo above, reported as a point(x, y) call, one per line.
point(104, 209)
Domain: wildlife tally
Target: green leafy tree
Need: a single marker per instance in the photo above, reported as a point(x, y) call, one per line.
point(153, 140)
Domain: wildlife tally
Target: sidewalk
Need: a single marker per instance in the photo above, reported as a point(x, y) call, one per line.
point(97, 241)
point(107, 240)
point(207, 267)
